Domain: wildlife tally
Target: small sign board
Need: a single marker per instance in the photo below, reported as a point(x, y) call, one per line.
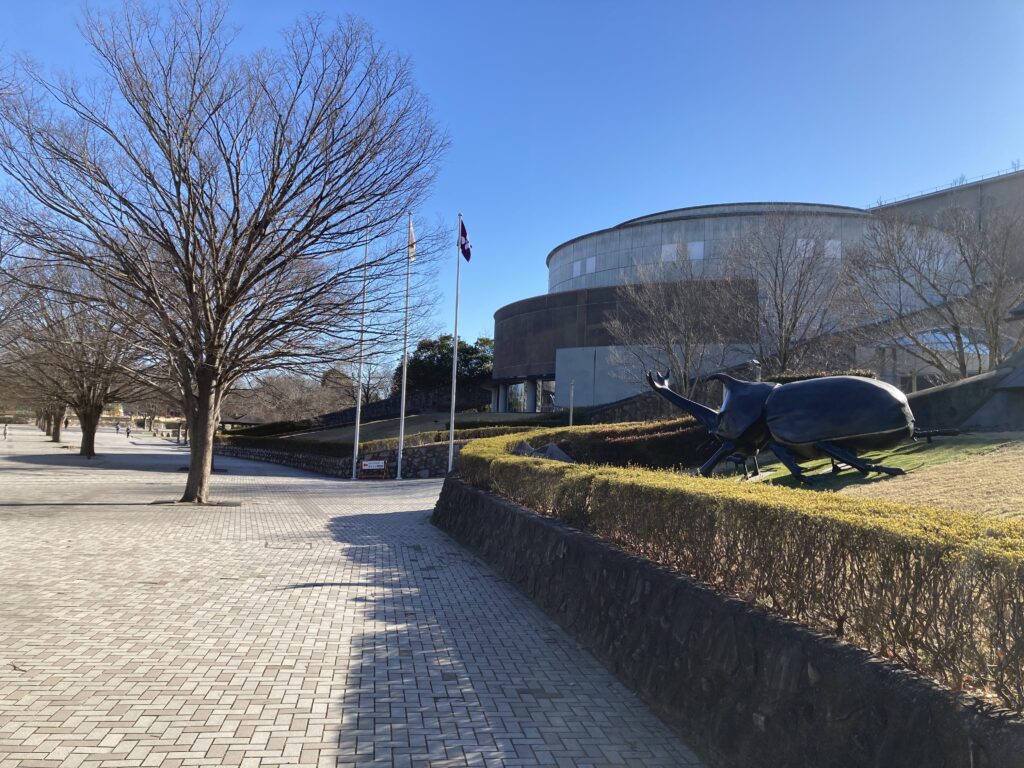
point(373, 468)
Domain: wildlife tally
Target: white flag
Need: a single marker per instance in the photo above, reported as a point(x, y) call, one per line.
point(412, 242)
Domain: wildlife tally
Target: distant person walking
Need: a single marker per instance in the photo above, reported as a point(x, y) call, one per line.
point(5, 431)
point(128, 431)
point(66, 422)
point(117, 427)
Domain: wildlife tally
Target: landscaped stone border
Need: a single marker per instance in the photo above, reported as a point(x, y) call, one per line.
point(743, 687)
point(419, 461)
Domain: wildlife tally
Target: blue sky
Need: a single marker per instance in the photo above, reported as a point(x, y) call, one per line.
point(567, 117)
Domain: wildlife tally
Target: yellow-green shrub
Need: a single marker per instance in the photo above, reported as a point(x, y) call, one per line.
point(939, 590)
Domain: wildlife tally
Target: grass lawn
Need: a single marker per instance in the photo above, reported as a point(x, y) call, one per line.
point(981, 473)
point(421, 422)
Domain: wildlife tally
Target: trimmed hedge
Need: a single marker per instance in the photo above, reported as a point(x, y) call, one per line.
point(938, 590)
point(344, 447)
point(787, 378)
point(273, 428)
point(668, 444)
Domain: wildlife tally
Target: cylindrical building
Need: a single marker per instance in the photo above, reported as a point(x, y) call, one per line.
point(561, 339)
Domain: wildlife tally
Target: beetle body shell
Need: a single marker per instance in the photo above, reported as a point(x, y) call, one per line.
point(835, 416)
point(848, 411)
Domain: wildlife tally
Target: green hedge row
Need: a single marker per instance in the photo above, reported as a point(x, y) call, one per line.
point(938, 590)
point(344, 447)
point(656, 444)
point(273, 428)
point(786, 378)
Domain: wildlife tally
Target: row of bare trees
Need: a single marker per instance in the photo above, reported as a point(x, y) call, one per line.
point(939, 290)
point(211, 205)
point(60, 350)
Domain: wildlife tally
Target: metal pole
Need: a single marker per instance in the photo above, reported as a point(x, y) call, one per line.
point(359, 370)
point(572, 386)
point(405, 355)
point(455, 348)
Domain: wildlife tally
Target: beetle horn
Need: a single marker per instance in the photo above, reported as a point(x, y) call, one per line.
point(725, 378)
point(706, 416)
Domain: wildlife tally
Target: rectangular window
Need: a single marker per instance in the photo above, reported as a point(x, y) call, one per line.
point(834, 249)
point(577, 268)
point(695, 250)
point(591, 264)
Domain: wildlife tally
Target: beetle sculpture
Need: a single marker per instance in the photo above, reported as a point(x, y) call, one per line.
point(834, 416)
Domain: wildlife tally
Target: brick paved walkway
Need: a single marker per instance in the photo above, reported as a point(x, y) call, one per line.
point(319, 623)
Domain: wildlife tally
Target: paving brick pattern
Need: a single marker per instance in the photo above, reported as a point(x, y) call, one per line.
point(319, 623)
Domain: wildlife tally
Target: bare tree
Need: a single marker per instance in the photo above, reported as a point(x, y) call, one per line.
point(796, 270)
point(225, 193)
point(671, 317)
point(67, 352)
point(940, 290)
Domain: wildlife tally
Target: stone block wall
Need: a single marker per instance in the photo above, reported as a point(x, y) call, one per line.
point(421, 461)
point(743, 687)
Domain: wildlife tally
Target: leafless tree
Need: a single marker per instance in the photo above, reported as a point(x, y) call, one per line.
point(670, 316)
point(227, 194)
point(65, 351)
point(796, 271)
point(940, 290)
point(286, 396)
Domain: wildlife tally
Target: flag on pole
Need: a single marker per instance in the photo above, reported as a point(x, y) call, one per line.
point(464, 247)
point(412, 242)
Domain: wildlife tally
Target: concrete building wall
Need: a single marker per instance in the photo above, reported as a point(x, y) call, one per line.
point(642, 248)
point(1005, 192)
point(605, 374)
point(596, 374)
point(528, 333)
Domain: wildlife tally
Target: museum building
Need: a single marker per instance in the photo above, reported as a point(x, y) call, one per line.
point(557, 346)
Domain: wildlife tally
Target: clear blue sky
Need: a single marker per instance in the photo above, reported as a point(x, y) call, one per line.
point(567, 117)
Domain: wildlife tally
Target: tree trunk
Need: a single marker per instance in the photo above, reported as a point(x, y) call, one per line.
point(58, 422)
point(48, 423)
point(202, 424)
point(90, 418)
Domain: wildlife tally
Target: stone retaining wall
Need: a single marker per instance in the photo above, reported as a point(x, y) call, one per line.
point(420, 461)
point(743, 687)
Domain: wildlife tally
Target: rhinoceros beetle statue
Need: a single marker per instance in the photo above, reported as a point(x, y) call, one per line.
point(834, 416)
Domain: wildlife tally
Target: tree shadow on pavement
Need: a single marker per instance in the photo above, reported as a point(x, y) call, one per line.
point(453, 664)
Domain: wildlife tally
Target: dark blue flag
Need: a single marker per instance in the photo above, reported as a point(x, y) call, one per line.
point(464, 247)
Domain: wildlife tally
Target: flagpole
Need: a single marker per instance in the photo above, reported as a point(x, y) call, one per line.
point(455, 348)
point(405, 355)
point(359, 373)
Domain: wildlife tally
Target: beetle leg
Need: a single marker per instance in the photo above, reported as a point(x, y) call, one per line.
point(849, 457)
point(708, 466)
point(789, 461)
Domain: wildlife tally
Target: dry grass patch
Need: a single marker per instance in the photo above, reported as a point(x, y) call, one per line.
point(990, 482)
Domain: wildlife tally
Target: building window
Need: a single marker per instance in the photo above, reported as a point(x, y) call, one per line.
point(591, 264)
point(577, 268)
point(834, 249)
point(693, 250)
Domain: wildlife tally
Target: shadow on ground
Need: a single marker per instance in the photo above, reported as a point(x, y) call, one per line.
point(455, 665)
